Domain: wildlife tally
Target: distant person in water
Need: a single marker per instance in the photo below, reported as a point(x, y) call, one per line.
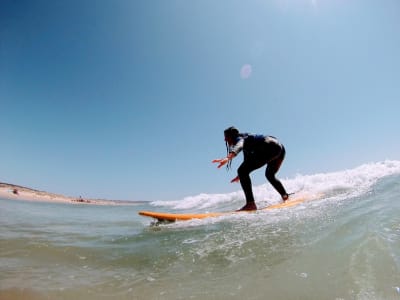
point(258, 150)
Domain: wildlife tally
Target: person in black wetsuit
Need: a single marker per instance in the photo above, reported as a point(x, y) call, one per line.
point(258, 150)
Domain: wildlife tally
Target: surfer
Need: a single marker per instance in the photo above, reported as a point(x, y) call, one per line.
point(258, 150)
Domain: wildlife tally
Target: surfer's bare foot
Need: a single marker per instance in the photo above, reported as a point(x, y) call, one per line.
point(248, 206)
point(285, 197)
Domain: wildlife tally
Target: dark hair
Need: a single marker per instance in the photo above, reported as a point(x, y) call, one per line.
point(232, 133)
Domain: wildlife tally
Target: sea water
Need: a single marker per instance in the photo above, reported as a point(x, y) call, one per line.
point(345, 245)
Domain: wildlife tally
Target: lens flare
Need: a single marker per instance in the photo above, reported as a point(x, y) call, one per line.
point(245, 71)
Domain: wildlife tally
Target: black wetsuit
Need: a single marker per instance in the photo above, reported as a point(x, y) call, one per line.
point(259, 150)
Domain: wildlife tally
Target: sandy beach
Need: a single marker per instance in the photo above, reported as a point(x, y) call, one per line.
point(16, 192)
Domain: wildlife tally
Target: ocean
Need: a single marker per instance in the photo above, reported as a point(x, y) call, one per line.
point(345, 245)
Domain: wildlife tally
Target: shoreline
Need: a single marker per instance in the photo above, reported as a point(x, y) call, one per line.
point(15, 192)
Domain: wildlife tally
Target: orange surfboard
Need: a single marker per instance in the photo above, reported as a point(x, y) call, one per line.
point(172, 217)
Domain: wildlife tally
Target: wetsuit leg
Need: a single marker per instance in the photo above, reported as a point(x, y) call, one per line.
point(244, 175)
point(272, 169)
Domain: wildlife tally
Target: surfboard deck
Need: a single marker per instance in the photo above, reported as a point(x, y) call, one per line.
point(172, 217)
point(162, 216)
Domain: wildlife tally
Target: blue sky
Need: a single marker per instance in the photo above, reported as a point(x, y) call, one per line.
point(129, 99)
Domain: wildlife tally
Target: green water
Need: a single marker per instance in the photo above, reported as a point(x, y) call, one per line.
point(334, 248)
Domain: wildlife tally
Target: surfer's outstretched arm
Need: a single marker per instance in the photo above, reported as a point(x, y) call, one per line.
point(224, 161)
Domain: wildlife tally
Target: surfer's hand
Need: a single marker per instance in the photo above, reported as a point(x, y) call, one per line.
point(236, 179)
point(221, 161)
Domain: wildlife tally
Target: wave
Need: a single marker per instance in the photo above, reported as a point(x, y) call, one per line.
point(342, 184)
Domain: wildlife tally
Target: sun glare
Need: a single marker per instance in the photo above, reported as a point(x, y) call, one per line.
point(245, 71)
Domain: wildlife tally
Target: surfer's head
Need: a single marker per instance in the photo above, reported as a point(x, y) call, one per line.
point(231, 135)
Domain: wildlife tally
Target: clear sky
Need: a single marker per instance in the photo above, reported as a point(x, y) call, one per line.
point(129, 99)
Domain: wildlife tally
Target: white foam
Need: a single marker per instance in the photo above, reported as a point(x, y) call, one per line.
point(349, 182)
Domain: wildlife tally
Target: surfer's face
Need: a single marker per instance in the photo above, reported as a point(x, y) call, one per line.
point(229, 140)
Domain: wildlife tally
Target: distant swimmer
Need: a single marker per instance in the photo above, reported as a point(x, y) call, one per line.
point(258, 150)
point(80, 199)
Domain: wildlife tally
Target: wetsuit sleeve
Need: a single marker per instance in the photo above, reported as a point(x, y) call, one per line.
point(238, 146)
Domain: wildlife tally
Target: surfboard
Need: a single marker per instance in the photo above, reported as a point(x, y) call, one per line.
point(162, 216)
point(172, 217)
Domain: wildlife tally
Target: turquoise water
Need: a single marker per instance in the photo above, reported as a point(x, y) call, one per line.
point(343, 246)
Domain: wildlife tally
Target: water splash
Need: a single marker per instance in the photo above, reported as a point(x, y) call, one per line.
point(345, 183)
